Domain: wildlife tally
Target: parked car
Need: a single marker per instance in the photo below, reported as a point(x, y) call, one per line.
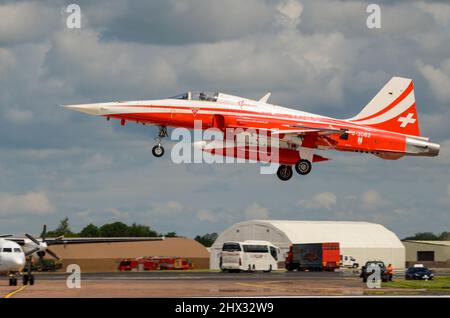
point(349, 261)
point(419, 273)
point(367, 270)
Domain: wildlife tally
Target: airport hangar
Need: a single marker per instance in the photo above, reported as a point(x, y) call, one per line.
point(434, 254)
point(105, 257)
point(362, 240)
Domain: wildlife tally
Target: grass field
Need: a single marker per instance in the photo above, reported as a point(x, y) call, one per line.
point(438, 283)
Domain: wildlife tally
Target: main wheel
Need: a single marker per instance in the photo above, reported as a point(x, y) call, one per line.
point(11, 282)
point(303, 166)
point(269, 270)
point(25, 279)
point(284, 172)
point(158, 151)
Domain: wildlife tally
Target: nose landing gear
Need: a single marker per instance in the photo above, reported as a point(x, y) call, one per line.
point(12, 280)
point(284, 172)
point(158, 150)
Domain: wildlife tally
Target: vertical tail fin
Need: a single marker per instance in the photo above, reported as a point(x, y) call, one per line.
point(393, 109)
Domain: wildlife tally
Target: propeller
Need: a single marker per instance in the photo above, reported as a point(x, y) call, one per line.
point(42, 246)
point(6, 235)
point(31, 252)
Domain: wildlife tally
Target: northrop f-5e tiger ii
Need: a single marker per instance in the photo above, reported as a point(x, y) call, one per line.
point(387, 127)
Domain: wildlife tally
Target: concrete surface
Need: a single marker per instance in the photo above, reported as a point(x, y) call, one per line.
point(192, 284)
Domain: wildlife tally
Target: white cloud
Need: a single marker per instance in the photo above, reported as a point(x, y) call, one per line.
point(33, 203)
point(97, 161)
point(205, 215)
point(372, 198)
point(324, 200)
point(24, 21)
point(118, 214)
point(291, 11)
point(256, 211)
point(168, 208)
point(439, 11)
point(438, 78)
point(19, 117)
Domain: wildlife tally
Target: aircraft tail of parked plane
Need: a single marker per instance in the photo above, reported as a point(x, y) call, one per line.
point(392, 109)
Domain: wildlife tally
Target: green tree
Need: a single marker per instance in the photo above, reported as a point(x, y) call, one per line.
point(90, 230)
point(423, 236)
point(207, 240)
point(63, 229)
point(445, 236)
point(116, 229)
point(139, 230)
point(171, 234)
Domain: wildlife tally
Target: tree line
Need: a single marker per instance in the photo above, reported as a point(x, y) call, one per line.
point(429, 236)
point(120, 229)
point(115, 229)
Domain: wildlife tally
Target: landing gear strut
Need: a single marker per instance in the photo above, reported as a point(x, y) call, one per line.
point(12, 280)
point(284, 172)
point(303, 166)
point(158, 150)
point(28, 278)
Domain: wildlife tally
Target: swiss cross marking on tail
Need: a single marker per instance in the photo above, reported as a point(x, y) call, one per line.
point(407, 120)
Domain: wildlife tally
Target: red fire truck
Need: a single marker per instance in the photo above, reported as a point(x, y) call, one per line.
point(155, 263)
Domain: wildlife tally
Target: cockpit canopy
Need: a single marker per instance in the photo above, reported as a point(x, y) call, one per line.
point(217, 97)
point(203, 96)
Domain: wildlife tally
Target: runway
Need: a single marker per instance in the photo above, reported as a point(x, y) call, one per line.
point(196, 284)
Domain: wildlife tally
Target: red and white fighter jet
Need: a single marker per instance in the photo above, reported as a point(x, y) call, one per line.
point(387, 127)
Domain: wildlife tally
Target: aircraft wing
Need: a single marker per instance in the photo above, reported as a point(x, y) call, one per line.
point(18, 240)
point(75, 240)
point(295, 129)
point(86, 240)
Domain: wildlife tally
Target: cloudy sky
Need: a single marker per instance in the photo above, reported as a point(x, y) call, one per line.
point(317, 56)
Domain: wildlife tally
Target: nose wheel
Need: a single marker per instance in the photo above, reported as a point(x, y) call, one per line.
point(303, 166)
point(158, 150)
point(284, 172)
point(12, 281)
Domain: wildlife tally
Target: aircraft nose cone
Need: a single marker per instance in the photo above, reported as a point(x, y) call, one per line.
point(20, 262)
point(91, 109)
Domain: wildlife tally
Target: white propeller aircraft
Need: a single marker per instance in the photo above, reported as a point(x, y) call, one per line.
point(12, 261)
point(14, 252)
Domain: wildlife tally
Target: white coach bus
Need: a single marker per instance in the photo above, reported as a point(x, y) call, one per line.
point(249, 256)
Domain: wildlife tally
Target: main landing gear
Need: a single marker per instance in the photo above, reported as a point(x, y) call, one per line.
point(285, 172)
point(158, 150)
point(303, 167)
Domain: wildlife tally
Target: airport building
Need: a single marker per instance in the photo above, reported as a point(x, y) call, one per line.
point(362, 240)
point(105, 257)
point(430, 253)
